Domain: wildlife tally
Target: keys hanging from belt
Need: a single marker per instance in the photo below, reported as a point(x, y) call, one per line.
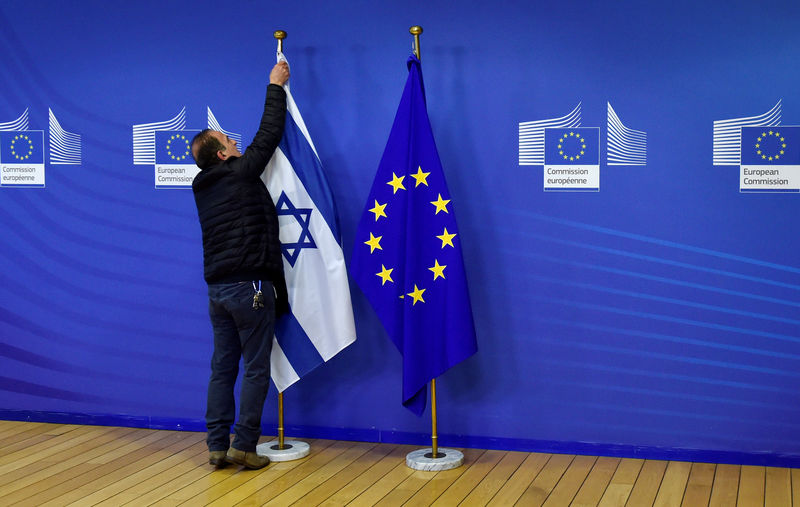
point(258, 297)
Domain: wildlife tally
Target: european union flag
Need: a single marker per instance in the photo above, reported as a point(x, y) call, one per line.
point(407, 257)
point(174, 146)
point(770, 145)
point(22, 147)
point(572, 146)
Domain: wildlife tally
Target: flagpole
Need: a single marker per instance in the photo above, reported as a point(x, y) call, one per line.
point(281, 449)
point(421, 459)
point(434, 437)
point(281, 445)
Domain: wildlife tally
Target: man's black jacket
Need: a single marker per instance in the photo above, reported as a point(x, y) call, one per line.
point(237, 215)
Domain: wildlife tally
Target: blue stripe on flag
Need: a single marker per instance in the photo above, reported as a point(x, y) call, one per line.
point(309, 169)
point(296, 345)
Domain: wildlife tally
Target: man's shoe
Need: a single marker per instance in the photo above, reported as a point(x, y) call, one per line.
point(250, 460)
point(217, 458)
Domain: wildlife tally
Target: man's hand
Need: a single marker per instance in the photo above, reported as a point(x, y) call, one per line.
point(279, 74)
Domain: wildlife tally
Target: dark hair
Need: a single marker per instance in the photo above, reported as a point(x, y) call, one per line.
point(207, 148)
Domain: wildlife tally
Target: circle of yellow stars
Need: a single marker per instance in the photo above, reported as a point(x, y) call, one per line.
point(177, 138)
point(374, 242)
point(581, 149)
point(17, 152)
point(781, 145)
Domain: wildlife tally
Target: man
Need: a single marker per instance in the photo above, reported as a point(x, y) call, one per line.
point(244, 271)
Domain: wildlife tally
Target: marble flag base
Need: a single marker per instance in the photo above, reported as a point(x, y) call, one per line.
point(292, 450)
point(449, 458)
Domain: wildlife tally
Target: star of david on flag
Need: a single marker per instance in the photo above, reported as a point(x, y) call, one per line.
point(320, 323)
point(301, 217)
point(407, 257)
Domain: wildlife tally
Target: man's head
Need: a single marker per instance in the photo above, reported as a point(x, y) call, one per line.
point(211, 146)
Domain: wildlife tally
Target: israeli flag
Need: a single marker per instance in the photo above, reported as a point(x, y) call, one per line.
point(321, 320)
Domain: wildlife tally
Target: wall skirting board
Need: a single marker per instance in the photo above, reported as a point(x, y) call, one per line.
point(403, 437)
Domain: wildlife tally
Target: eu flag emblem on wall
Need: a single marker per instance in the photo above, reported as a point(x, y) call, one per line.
point(407, 258)
point(770, 146)
point(174, 146)
point(571, 146)
point(22, 147)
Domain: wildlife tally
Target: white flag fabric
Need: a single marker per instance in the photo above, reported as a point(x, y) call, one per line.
point(321, 320)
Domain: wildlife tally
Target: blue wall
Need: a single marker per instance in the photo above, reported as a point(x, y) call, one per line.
point(658, 312)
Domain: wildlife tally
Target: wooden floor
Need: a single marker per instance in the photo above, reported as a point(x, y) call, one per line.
point(62, 464)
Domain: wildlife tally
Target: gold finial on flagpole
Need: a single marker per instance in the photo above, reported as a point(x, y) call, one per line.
point(415, 31)
point(280, 35)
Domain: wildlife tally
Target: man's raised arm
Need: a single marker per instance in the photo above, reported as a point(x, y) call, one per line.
point(270, 131)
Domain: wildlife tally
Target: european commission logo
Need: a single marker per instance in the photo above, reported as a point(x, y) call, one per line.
point(22, 158)
point(174, 165)
point(770, 159)
point(166, 145)
point(538, 145)
point(571, 159)
point(22, 151)
point(767, 153)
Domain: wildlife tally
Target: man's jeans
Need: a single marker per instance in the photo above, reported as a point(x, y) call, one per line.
point(239, 331)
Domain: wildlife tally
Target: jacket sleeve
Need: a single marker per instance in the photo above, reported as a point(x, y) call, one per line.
point(269, 134)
